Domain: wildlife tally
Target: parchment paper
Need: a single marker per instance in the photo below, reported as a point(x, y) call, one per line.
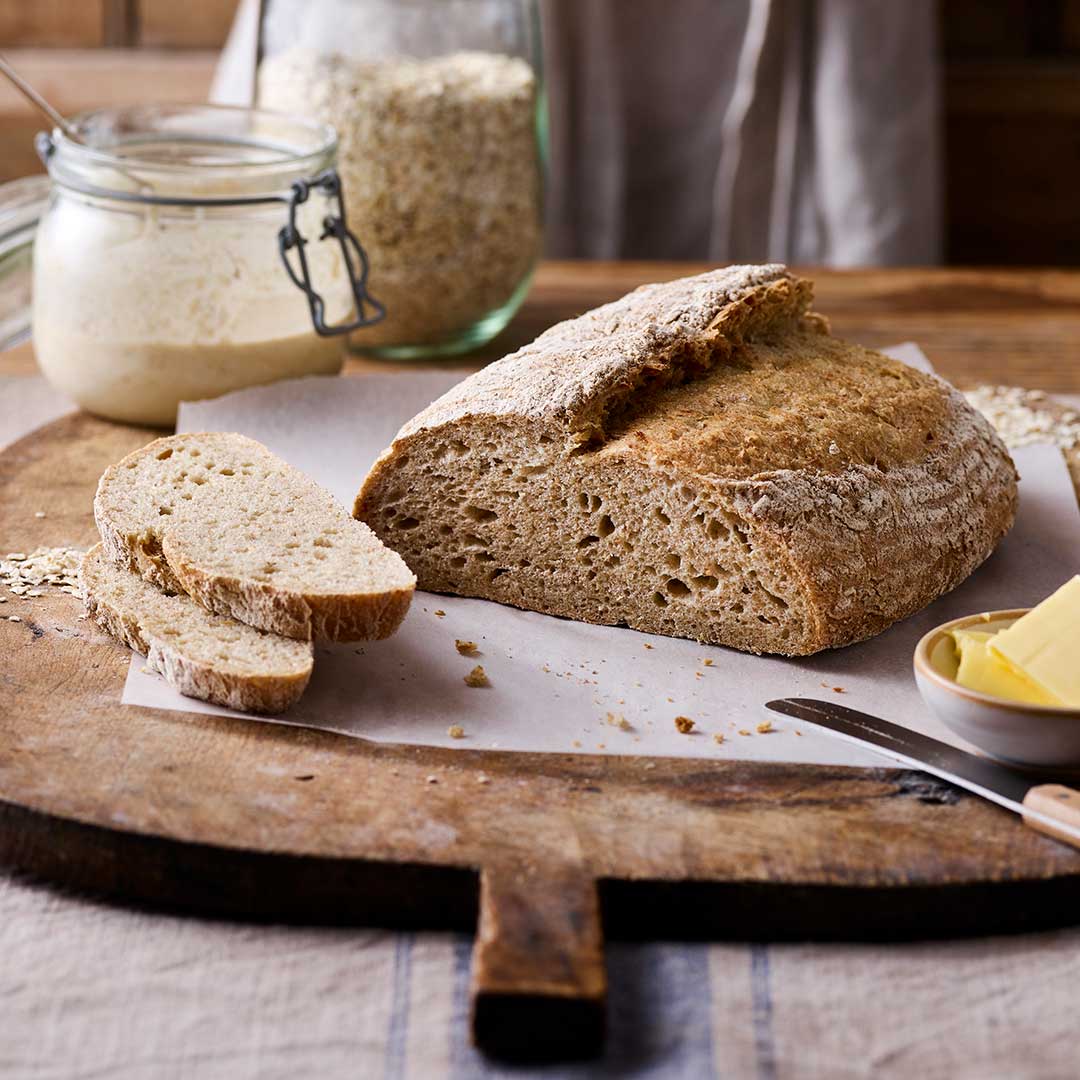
point(564, 686)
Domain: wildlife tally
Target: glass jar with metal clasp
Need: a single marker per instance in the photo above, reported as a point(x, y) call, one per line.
point(178, 257)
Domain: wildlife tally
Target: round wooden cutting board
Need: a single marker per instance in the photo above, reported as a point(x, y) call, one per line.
point(544, 854)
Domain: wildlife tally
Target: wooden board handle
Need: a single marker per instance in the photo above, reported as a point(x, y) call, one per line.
point(538, 979)
point(1060, 803)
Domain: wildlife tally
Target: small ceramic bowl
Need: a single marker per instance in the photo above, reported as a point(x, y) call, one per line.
point(1046, 735)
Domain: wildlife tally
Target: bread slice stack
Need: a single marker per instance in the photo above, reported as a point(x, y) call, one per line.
point(222, 564)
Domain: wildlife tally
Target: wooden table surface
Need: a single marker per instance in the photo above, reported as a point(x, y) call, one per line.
point(1016, 326)
point(91, 990)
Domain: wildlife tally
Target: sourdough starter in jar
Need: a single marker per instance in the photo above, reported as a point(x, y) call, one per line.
point(138, 306)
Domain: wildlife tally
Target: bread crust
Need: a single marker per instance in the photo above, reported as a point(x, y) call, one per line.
point(137, 620)
point(860, 489)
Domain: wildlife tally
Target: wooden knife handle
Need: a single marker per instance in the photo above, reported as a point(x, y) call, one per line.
point(1060, 803)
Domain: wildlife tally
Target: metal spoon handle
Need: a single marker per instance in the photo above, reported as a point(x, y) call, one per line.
point(37, 100)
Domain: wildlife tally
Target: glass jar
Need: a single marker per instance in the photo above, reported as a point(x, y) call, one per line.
point(158, 271)
point(440, 114)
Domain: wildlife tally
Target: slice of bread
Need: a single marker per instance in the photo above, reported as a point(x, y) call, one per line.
point(700, 459)
point(205, 656)
point(246, 535)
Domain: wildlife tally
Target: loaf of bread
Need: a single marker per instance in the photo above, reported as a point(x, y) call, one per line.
point(206, 656)
point(219, 517)
point(702, 459)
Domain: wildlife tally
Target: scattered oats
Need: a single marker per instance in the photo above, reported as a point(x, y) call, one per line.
point(482, 779)
point(3, 599)
point(432, 779)
point(684, 725)
point(764, 727)
point(440, 614)
point(477, 677)
point(456, 731)
point(718, 738)
point(466, 648)
point(54, 567)
point(743, 731)
point(39, 513)
point(14, 618)
point(833, 448)
point(1021, 418)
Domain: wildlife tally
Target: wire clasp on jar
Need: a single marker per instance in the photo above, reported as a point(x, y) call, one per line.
point(368, 309)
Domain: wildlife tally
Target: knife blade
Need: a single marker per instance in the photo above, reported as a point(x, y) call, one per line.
point(1050, 808)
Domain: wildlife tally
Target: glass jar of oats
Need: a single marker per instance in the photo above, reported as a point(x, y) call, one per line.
point(439, 109)
point(179, 258)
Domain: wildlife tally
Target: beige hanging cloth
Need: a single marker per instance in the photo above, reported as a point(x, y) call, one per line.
point(802, 131)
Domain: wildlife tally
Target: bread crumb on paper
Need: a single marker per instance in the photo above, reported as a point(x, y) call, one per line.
point(743, 731)
point(466, 648)
point(619, 721)
point(765, 727)
point(456, 731)
point(647, 645)
point(718, 739)
point(707, 663)
point(439, 613)
point(684, 725)
point(477, 677)
point(839, 690)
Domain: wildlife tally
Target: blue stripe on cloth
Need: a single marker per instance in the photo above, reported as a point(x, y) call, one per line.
point(394, 1065)
point(762, 1015)
point(659, 1019)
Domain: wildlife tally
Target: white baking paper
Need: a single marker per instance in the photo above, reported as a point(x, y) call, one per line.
point(555, 683)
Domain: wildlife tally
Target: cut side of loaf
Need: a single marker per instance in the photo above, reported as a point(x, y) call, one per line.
point(206, 656)
point(700, 459)
point(242, 532)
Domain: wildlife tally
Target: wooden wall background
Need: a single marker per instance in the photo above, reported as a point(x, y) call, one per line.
point(1011, 93)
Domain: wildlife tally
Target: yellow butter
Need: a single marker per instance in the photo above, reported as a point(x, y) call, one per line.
point(981, 670)
point(1044, 645)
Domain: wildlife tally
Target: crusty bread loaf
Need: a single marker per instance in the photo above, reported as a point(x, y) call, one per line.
point(701, 459)
point(245, 534)
point(206, 656)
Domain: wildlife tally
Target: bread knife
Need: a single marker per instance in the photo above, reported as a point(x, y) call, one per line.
point(1049, 808)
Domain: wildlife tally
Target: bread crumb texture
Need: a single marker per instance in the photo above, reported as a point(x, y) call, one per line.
point(699, 459)
point(246, 535)
point(466, 648)
point(203, 655)
point(456, 731)
point(477, 677)
point(684, 725)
